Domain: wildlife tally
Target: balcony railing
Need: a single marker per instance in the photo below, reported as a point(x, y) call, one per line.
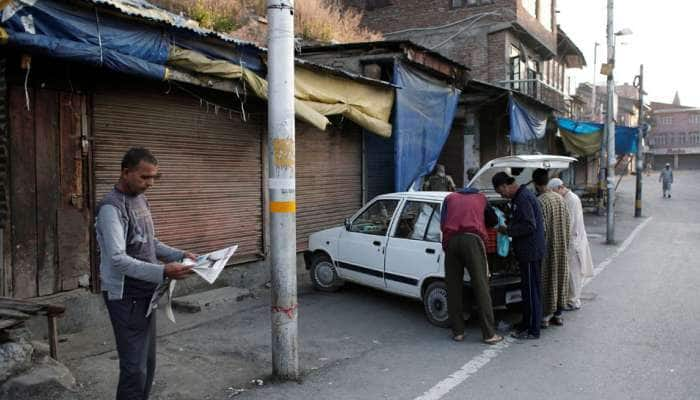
point(538, 90)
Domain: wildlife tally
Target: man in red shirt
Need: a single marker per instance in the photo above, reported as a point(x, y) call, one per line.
point(465, 215)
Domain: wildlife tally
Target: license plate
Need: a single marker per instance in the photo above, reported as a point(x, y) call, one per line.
point(513, 296)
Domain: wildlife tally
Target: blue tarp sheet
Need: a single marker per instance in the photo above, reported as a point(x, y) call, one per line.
point(70, 33)
point(579, 127)
point(524, 126)
point(625, 136)
point(424, 111)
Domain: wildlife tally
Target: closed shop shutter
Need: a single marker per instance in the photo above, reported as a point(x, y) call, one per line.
point(689, 161)
point(210, 193)
point(329, 177)
point(380, 165)
point(661, 160)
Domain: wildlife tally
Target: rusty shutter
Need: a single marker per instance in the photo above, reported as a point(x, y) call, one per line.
point(210, 193)
point(329, 177)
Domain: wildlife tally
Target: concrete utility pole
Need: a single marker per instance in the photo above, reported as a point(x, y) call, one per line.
point(601, 155)
point(282, 188)
point(610, 128)
point(640, 143)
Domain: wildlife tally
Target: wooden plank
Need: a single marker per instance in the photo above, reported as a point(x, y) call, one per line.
point(23, 198)
point(7, 313)
point(53, 337)
point(73, 219)
point(47, 183)
point(9, 323)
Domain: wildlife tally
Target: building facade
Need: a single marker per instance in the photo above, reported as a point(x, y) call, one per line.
point(675, 136)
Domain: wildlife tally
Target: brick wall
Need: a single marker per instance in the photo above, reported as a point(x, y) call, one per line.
point(683, 131)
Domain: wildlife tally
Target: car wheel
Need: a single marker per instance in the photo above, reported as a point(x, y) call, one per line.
point(435, 304)
point(324, 277)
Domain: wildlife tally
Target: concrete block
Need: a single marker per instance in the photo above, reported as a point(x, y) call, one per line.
point(196, 302)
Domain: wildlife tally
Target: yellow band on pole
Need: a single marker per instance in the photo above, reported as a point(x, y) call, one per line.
point(283, 207)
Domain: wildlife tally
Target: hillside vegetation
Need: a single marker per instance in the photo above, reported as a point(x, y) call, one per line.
point(315, 20)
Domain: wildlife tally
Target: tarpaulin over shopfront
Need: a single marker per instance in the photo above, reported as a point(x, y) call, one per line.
point(583, 138)
point(75, 34)
point(425, 109)
point(525, 125)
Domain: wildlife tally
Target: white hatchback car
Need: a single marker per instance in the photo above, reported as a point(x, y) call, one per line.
point(394, 244)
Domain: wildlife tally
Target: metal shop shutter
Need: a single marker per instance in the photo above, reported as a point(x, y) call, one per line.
point(329, 177)
point(660, 161)
point(210, 193)
point(689, 161)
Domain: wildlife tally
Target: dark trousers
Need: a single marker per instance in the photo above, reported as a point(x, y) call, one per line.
point(467, 251)
point(531, 288)
point(135, 335)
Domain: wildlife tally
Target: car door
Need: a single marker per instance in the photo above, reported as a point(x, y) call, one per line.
point(414, 249)
point(362, 245)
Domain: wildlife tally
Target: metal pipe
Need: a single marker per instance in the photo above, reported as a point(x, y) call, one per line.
point(282, 188)
point(640, 143)
point(610, 128)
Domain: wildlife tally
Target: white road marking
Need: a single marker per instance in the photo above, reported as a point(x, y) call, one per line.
point(467, 370)
point(475, 364)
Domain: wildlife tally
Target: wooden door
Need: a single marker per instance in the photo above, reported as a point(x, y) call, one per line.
point(49, 215)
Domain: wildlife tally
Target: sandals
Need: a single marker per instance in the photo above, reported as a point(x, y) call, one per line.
point(493, 340)
point(458, 338)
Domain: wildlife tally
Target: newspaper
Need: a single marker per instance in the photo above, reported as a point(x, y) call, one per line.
point(207, 266)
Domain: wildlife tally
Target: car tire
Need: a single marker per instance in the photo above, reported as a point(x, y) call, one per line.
point(435, 304)
point(324, 276)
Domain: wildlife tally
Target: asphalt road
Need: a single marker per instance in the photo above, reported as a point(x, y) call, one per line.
point(635, 337)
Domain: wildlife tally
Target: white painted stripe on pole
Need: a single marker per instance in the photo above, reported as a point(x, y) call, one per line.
point(281, 183)
point(617, 252)
point(475, 364)
point(467, 370)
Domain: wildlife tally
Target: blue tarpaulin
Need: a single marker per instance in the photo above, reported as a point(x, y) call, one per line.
point(625, 136)
point(425, 108)
point(71, 33)
point(524, 126)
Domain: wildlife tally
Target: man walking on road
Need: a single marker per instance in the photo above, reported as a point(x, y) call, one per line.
point(527, 231)
point(666, 179)
point(555, 268)
point(465, 216)
point(130, 270)
point(580, 259)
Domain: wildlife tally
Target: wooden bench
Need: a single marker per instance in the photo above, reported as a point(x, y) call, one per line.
point(14, 312)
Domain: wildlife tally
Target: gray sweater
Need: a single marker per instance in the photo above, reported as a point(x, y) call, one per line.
point(129, 251)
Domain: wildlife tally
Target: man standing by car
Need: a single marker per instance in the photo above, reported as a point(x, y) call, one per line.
point(555, 268)
point(130, 270)
point(465, 215)
point(439, 181)
point(527, 230)
point(580, 259)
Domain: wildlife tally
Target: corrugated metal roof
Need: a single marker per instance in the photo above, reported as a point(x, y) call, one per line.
point(145, 10)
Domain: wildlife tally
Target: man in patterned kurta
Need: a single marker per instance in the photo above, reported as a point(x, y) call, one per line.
point(555, 267)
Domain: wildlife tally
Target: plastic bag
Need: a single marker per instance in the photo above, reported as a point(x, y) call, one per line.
point(502, 241)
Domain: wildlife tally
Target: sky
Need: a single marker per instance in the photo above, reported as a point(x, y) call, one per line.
point(664, 39)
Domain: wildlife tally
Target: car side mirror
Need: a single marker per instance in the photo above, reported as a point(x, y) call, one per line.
point(347, 224)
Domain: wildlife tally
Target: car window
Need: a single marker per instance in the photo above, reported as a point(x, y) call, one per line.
point(375, 220)
point(434, 231)
point(416, 219)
